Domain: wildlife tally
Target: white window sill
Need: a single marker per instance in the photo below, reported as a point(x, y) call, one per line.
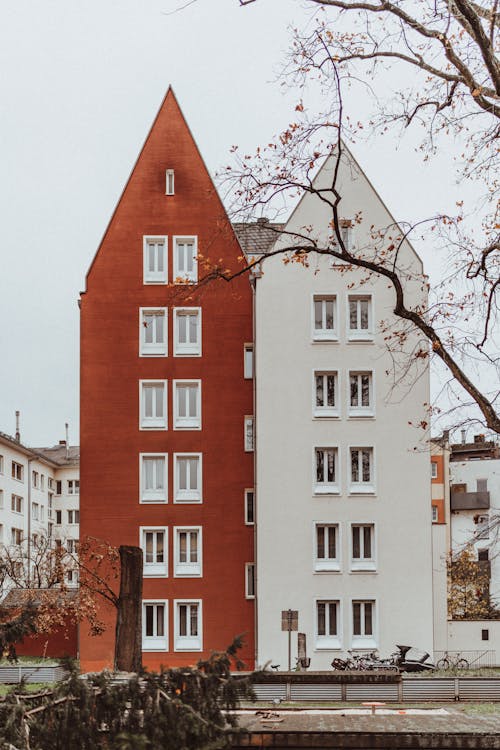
point(325, 339)
point(153, 426)
point(187, 498)
point(158, 499)
point(326, 414)
point(361, 413)
point(186, 280)
point(188, 352)
point(153, 353)
point(328, 489)
point(192, 570)
point(361, 489)
point(157, 280)
point(187, 644)
point(154, 644)
point(365, 566)
point(187, 424)
point(326, 567)
point(325, 643)
point(155, 570)
point(354, 337)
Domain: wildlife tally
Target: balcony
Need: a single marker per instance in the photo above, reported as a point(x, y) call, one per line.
point(470, 500)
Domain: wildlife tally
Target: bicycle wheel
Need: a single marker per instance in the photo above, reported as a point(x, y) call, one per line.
point(443, 664)
point(462, 664)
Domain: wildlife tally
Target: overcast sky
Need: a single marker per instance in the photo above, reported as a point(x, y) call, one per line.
point(80, 83)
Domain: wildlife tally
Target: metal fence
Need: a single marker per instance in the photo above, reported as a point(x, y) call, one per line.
point(31, 673)
point(486, 658)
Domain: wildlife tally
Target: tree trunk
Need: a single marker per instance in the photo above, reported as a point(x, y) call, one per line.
point(128, 643)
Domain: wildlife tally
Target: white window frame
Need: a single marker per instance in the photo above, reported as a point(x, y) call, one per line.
point(155, 277)
point(2, 505)
point(35, 479)
point(154, 569)
point(155, 642)
point(155, 349)
point(188, 569)
point(188, 642)
point(73, 486)
point(189, 422)
point(325, 487)
point(188, 496)
point(169, 182)
point(249, 491)
point(158, 495)
point(325, 334)
point(364, 641)
point(75, 516)
point(248, 366)
point(250, 581)
point(327, 564)
point(434, 469)
point(35, 511)
point(361, 487)
point(189, 277)
point(326, 411)
point(363, 563)
point(434, 513)
point(18, 466)
point(249, 434)
point(152, 423)
point(360, 410)
point(186, 349)
point(19, 501)
point(2, 464)
point(347, 233)
point(359, 334)
point(327, 642)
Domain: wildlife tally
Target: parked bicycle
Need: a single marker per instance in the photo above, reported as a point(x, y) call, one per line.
point(452, 661)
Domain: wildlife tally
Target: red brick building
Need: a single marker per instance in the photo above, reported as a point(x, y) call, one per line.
point(167, 405)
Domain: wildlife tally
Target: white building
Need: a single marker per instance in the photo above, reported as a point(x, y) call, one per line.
point(342, 479)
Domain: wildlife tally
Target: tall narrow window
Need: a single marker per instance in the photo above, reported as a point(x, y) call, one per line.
point(169, 182)
point(363, 547)
point(153, 332)
point(363, 623)
point(187, 404)
point(249, 507)
point(361, 394)
point(188, 481)
point(73, 486)
point(250, 580)
point(327, 547)
point(187, 332)
point(326, 471)
point(17, 471)
point(153, 396)
point(1, 500)
point(154, 626)
point(362, 473)
point(35, 511)
point(185, 261)
point(16, 503)
point(327, 624)
point(360, 317)
point(187, 553)
point(325, 318)
point(248, 361)
point(188, 636)
point(155, 260)
point(249, 434)
point(325, 394)
point(1, 464)
point(153, 472)
point(434, 470)
point(154, 549)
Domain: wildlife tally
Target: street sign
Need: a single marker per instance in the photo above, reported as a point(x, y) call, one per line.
point(289, 619)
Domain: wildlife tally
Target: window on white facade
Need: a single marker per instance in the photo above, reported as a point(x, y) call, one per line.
point(363, 547)
point(50, 504)
point(187, 332)
point(250, 580)
point(42, 482)
point(363, 623)
point(188, 626)
point(17, 471)
point(155, 260)
point(153, 398)
point(188, 551)
point(325, 394)
point(324, 318)
point(1, 464)
point(16, 503)
point(153, 332)
point(187, 404)
point(249, 507)
point(327, 624)
point(35, 511)
point(72, 577)
point(73, 516)
point(327, 547)
point(249, 434)
point(185, 261)
point(362, 471)
point(346, 233)
point(42, 513)
point(1, 500)
point(71, 546)
point(326, 470)
point(73, 486)
point(58, 517)
point(16, 536)
point(35, 478)
point(434, 470)
point(154, 551)
point(188, 477)
point(169, 182)
point(248, 361)
point(153, 472)
point(360, 324)
point(361, 394)
point(58, 487)
point(154, 625)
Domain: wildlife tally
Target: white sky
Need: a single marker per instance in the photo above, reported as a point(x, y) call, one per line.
point(80, 83)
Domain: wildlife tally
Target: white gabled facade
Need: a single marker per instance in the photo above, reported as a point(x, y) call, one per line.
point(342, 478)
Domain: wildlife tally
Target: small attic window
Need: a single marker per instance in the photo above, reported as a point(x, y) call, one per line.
point(169, 182)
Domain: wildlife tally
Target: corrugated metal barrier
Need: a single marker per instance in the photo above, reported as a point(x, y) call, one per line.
point(17, 673)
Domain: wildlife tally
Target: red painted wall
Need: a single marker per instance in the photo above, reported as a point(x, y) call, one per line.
point(110, 440)
point(62, 641)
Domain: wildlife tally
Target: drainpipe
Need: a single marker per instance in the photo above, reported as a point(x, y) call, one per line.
point(30, 460)
point(255, 502)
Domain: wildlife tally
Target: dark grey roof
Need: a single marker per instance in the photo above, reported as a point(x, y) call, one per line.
point(257, 237)
point(21, 597)
point(58, 454)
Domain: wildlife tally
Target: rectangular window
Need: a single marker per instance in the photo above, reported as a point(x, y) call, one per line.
point(35, 511)
point(360, 324)
point(327, 547)
point(187, 478)
point(50, 504)
point(187, 404)
point(434, 470)
point(434, 513)
point(362, 471)
point(1, 464)
point(346, 233)
point(154, 625)
point(16, 536)
point(188, 627)
point(155, 260)
point(250, 580)
point(187, 551)
point(1, 500)
point(153, 474)
point(361, 394)
point(249, 507)
point(328, 624)
point(249, 434)
point(363, 547)
point(58, 487)
point(325, 318)
point(154, 550)
point(481, 485)
point(17, 471)
point(153, 332)
point(185, 260)
point(58, 517)
point(35, 479)
point(326, 471)
point(169, 182)
point(248, 361)
point(153, 405)
point(73, 486)
point(73, 516)
point(325, 394)
point(71, 546)
point(363, 623)
point(16, 503)
point(187, 332)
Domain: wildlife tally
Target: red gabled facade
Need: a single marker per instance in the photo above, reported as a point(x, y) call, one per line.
point(199, 603)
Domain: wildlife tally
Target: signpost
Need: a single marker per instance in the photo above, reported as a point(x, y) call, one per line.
point(289, 622)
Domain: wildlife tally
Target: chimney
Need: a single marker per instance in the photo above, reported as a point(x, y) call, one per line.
point(463, 437)
point(18, 434)
point(67, 439)
point(262, 220)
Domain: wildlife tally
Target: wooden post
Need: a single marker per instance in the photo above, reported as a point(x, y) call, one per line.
point(128, 643)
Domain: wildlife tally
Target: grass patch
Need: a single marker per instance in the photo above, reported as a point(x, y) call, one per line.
point(27, 661)
point(29, 687)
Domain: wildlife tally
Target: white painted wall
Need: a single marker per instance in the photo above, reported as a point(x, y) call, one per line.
point(466, 636)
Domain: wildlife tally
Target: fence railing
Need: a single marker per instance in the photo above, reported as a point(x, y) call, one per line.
point(484, 658)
